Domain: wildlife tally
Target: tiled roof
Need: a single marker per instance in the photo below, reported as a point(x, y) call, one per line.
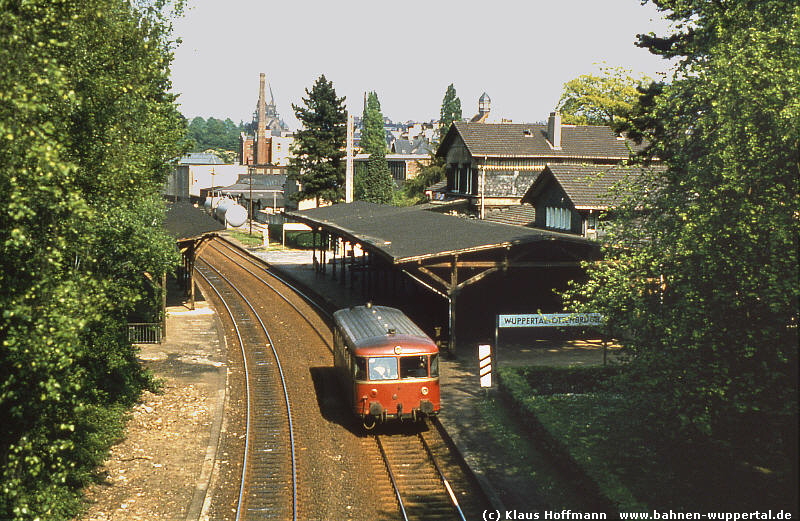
point(587, 186)
point(530, 140)
point(519, 215)
point(504, 183)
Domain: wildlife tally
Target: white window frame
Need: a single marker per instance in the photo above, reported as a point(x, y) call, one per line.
point(558, 218)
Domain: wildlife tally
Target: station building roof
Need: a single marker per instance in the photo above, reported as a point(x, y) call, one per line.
point(404, 235)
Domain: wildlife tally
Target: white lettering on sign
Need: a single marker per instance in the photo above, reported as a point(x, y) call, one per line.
point(551, 320)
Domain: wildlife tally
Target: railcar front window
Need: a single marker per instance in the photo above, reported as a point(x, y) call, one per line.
point(434, 365)
point(414, 366)
point(382, 368)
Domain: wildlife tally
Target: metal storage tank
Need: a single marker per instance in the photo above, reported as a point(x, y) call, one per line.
point(230, 212)
point(211, 203)
point(236, 215)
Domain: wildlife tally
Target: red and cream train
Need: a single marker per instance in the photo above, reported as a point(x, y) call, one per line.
point(387, 365)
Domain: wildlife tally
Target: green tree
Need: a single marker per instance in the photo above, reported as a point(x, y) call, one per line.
point(700, 277)
point(88, 129)
point(603, 99)
point(319, 146)
point(214, 134)
point(374, 182)
point(450, 110)
point(428, 175)
point(373, 138)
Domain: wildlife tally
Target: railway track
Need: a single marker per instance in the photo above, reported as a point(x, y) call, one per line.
point(269, 453)
point(416, 462)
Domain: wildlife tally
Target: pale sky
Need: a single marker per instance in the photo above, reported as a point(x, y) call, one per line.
point(520, 52)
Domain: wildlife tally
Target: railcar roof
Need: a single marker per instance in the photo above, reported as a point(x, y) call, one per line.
point(362, 323)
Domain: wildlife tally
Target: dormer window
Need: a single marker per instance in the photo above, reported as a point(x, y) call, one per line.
point(558, 218)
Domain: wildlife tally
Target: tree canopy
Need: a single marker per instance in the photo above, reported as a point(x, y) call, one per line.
point(700, 277)
point(215, 133)
point(373, 181)
point(87, 130)
point(319, 145)
point(373, 138)
point(450, 110)
point(600, 99)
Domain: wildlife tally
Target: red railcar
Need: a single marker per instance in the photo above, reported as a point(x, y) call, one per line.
point(388, 366)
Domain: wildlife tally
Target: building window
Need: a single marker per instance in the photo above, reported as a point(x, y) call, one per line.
point(398, 170)
point(591, 221)
point(558, 218)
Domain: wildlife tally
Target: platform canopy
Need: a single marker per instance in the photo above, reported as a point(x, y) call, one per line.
point(445, 253)
point(413, 234)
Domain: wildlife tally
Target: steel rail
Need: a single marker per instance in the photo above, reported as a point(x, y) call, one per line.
point(246, 384)
point(395, 486)
point(285, 394)
point(255, 261)
point(442, 477)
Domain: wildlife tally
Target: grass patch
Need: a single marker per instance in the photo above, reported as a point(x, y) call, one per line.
point(598, 433)
point(556, 488)
point(247, 239)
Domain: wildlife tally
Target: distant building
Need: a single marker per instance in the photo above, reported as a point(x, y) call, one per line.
point(271, 143)
point(197, 173)
point(263, 193)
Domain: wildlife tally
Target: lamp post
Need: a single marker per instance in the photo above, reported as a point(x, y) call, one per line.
point(251, 202)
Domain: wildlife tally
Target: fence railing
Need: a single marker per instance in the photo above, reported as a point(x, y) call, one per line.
point(144, 333)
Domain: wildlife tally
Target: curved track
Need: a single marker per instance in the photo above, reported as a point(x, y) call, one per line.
point(416, 462)
point(269, 438)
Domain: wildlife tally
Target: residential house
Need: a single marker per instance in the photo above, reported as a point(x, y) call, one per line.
point(572, 198)
point(493, 166)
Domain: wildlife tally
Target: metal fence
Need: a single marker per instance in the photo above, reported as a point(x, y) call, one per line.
point(144, 333)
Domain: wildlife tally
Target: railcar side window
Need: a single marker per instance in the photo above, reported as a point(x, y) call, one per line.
point(414, 366)
point(434, 365)
point(359, 368)
point(382, 368)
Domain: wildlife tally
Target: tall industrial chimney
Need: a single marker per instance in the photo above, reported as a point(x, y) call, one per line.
point(261, 151)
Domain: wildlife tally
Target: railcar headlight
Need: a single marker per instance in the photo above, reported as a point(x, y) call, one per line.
point(373, 392)
point(424, 391)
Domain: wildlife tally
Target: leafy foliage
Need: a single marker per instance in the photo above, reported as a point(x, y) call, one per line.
point(603, 99)
point(319, 146)
point(701, 271)
point(428, 175)
point(373, 138)
point(87, 128)
point(450, 111)
point(215, 134)
point(373, 183)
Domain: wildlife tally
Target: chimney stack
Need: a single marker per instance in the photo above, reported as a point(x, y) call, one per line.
point(260, 147)
point(554, 130)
